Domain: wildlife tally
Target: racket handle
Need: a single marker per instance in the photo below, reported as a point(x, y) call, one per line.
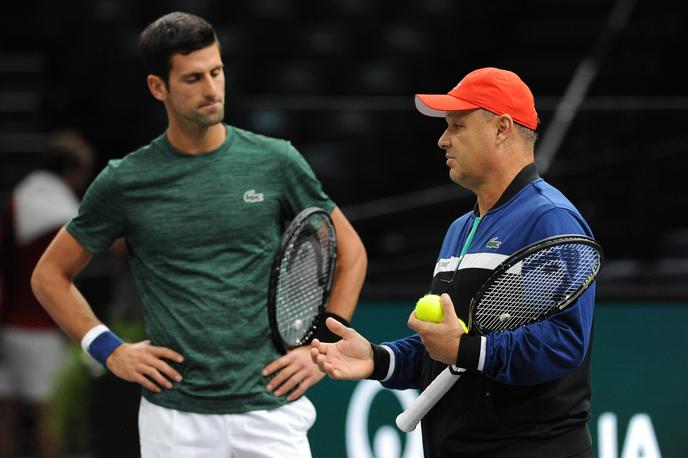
point(409, 418)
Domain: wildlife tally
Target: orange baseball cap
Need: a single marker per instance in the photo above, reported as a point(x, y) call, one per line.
point(493, 89)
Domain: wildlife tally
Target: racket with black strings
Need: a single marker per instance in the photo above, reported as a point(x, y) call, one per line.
point(301, 278)
point(529, 286)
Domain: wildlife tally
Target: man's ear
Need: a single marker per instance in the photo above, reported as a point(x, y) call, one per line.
point(505, 127)
point(157, 87)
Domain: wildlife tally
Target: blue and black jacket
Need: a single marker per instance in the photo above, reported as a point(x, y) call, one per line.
point(526, 393)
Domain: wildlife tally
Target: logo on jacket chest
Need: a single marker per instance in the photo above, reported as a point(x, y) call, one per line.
point(493, 243)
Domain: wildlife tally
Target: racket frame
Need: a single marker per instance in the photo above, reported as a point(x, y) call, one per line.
point(290, 232)
point(523, 253)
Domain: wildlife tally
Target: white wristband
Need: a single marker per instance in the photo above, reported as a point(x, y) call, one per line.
point(390, 371)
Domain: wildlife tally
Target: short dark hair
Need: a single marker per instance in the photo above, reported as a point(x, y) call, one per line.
point(173, 33)
point(67, 151)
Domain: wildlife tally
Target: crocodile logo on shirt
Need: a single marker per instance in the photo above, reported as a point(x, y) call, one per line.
point(251, 196)
point(493, 243)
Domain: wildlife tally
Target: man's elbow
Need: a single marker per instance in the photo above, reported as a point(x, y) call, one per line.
point(42, 277)
point(362, 255)
point(38, 279)
point(356, 256)
point(578, 355)
point(569, 358)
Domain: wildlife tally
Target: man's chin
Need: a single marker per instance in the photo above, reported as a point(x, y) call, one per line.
point(210, 120)
point(456, 177)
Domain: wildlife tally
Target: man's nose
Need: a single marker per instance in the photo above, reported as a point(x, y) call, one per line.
point(210, 87)
point(443, 142)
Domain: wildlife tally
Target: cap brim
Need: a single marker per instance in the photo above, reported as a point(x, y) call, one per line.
point(437, 105)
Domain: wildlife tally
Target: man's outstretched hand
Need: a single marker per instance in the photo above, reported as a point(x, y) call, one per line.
point(349, 359)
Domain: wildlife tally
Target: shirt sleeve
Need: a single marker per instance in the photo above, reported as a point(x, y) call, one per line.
point(404, 363)
point(100, 220)
point(549, 349)
point(302, 188)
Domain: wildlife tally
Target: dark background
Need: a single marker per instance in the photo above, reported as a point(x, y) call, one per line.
point(337, 77)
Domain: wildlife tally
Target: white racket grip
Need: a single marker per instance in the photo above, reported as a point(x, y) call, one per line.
point(409, 418)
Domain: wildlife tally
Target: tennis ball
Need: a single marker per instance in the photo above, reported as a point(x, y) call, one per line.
point(429, 308)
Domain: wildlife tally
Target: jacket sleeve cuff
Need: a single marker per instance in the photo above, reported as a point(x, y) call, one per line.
point(471, 354)
point(383, 365)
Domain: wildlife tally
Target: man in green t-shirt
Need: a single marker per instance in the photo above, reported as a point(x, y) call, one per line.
point(202, 208)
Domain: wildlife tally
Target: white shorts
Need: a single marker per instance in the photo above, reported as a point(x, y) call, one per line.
point(276, 433)
point(29, 362)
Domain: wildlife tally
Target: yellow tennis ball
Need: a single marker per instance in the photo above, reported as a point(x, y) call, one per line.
point(429, 308)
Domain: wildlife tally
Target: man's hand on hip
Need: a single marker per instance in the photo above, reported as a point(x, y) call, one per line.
point(145, 364)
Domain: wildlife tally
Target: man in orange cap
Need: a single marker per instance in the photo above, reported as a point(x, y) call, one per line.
point(524, 393)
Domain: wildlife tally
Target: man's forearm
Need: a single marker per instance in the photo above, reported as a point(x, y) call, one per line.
point(349, 276)
point(64, 302)
point(352, 262)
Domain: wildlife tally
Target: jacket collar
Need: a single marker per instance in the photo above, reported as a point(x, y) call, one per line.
point(526, 176)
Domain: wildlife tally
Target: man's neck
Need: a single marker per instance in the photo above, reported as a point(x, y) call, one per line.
point(195, 140)
point(489, 197)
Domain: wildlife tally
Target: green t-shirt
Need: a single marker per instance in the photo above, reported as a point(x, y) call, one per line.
point(202, 232)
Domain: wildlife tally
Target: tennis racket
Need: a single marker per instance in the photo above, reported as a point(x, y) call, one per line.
point(301, 278)
point(529, 286)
